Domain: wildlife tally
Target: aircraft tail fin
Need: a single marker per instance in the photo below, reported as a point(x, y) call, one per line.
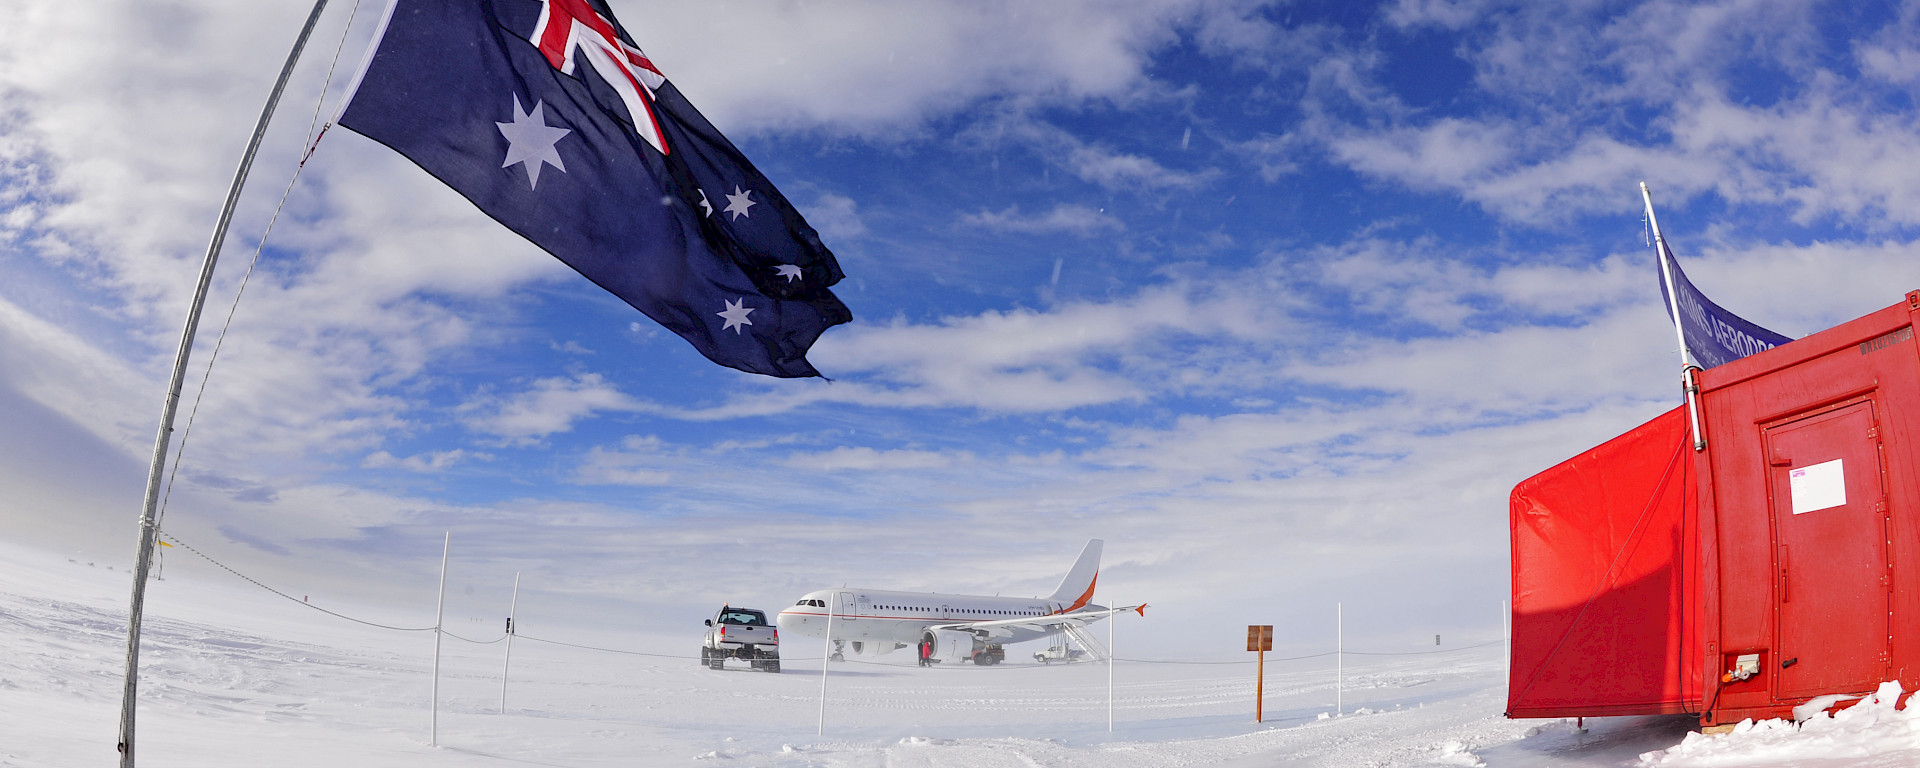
point(1076, 590)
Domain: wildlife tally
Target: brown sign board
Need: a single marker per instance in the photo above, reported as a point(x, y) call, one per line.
point(1259, 637)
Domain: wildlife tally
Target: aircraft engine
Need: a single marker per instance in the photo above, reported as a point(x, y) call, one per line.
point(953, 646)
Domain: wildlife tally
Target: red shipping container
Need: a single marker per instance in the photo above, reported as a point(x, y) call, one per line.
point(1780, 563)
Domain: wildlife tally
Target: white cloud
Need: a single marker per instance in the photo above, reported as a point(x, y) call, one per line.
point(1067, 218)
point(837, 217)
point(1119, 170)
point(864, 459)
point(1451, 14)
point(1447, 153)
point(547, 406)
point(638, 461)
point(430, 461)
point(878, 68)
point(1816, 143)
point(1274, 156)
point(1091, 161)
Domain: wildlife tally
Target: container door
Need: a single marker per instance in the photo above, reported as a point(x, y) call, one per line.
point(1831, 581)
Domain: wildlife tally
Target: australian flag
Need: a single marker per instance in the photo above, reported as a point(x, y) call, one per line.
point(547, 116)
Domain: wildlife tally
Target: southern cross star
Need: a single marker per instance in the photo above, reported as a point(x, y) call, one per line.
point(704, 205)
point(530, 141)
point(736, 315)
point(739, 202)
point(789, 271)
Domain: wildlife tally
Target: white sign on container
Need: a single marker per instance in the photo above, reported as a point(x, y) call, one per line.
point(1817, 487)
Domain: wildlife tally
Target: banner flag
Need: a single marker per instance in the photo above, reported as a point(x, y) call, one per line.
point(549, 119)
point(1713, 335)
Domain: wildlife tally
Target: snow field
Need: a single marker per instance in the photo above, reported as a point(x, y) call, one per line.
point(232, 676)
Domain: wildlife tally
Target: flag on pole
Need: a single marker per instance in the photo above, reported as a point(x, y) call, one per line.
point(548, 117)
point(1712, 336)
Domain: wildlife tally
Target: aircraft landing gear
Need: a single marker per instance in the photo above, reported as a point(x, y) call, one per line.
point(839, 650)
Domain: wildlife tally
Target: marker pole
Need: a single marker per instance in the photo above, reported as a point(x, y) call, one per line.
point(826, 660)
point(439, 617)
point(508, 661)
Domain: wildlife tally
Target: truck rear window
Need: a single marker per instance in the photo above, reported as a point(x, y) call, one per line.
point(743, 617)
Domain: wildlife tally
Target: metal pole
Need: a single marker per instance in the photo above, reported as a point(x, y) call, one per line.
point(1260, 688)
point(1113, 618)
point(1339, 660)
point(439, 616)
point(1687, 364)
point(1506, 638)
point(508, 661)
point(826, 660)
point(143, 559)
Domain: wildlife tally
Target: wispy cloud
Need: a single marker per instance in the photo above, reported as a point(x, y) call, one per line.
point(545, 407)
point(431, 461)
point(1065, 218)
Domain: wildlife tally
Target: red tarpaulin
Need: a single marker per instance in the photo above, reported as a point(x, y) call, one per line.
point(1601, 624)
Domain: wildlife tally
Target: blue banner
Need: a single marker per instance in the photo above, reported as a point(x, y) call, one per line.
point(1714, 335)
point(549, 118)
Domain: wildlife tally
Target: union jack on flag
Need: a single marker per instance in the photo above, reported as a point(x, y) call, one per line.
point(549, 118)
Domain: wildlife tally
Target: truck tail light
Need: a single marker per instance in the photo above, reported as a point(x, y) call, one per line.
point(723, 631)
point(776, 635)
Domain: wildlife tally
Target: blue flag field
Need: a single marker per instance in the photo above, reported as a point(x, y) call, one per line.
point(1714, 336)
point(547, 116)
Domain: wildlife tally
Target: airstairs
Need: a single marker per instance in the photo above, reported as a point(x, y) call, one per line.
point(1084, 639)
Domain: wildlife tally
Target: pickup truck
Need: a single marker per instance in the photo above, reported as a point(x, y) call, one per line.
point(741, 633)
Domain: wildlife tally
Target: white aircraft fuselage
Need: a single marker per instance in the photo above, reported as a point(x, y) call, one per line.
point(890, 619)
point(877, 621)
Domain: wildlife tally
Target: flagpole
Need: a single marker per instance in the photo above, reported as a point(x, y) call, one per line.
point(1687, 364)
point(148, 529)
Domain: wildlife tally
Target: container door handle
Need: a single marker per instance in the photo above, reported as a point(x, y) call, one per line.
point(1783, 573)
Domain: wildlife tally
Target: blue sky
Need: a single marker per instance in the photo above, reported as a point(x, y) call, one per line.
point(1280, 299)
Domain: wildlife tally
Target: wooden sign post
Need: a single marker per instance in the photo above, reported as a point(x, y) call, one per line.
point(1260, 640)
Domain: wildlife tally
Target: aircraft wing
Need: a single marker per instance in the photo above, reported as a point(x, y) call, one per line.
point(1004, 627)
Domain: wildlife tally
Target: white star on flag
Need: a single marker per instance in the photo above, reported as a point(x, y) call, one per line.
point(736, 315)
point(739, 202)
point(704, 204)
point(789, 271)
point(530, 141)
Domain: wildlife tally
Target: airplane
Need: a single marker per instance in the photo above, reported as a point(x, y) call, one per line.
point(962, 627)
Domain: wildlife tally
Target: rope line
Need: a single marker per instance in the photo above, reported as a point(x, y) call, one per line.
point(1423, 653)
point(1288, 658)
point(313, 142)
point(256, 582)
point(607, 650)
point(449, 633)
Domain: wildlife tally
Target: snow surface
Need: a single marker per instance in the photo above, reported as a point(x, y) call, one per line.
point(235, 676)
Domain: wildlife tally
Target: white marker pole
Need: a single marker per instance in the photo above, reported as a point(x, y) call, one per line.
point(1339, 660)
point(439, 615)
point(506, 662)
point(826, 660)
point(1506, 637)
point(1112, 619)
